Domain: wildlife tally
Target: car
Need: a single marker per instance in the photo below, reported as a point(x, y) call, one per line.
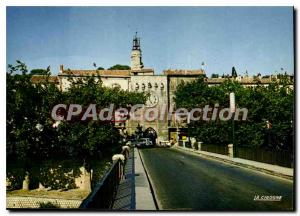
point(144, 142)
point(164, 144)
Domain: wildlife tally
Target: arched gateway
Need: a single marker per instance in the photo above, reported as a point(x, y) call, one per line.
point(151, 134)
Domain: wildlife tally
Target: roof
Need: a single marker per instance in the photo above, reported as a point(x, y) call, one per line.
point(242, 80)
point(144, 70)
point(118, 73)
point(42, 78)
point(184, 72)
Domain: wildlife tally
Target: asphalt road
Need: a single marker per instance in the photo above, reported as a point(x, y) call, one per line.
point(189, 182)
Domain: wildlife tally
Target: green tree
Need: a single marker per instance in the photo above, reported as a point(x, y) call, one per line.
point(215, 75)
point(39, 71)
point(233, 72)
point(119, 67)
point(273, 103)
point(33, 136)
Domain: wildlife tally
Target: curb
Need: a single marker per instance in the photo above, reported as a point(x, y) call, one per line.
point(273, 173)
point(153, 190)
point(144, 196)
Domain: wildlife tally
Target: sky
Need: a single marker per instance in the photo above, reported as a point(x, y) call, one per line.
point(253, 39)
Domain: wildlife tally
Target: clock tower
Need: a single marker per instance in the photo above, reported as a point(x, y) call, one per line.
point(136, 54)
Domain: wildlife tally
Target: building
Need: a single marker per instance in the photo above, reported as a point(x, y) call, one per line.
point(161, 89)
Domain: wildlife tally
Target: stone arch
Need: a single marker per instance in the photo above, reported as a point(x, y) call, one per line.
point(151, 134)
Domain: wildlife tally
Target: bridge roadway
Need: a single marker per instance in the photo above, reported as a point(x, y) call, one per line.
point(182, 181)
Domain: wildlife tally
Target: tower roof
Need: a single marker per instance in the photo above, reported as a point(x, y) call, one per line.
point(136, 42)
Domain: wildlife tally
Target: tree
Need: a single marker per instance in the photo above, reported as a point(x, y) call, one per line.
point(119, 67)
point(215, 75)
point(34, 137)
point(233, 72)
point(38, 72)
point(273, 103)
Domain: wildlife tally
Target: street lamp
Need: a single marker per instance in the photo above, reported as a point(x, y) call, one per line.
point(232, 110)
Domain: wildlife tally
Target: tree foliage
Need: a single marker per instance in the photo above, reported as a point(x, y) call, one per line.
point(215, 75)
point(233, 72)
point(33, 136)
point(273, 103)
point(119, 67)
point(39, 72)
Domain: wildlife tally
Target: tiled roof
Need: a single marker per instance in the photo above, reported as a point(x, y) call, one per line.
point(144, 70)
point(121, 73)
point(242, 80)
point(183, 72)
point(215, 80)
point(41, 78)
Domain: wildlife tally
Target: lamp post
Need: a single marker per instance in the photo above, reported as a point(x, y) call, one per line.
point(232, 110)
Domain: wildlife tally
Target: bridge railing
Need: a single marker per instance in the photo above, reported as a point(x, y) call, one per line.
point(219, 149)
point(184, 143)
point(270, 156)
point(103, 194)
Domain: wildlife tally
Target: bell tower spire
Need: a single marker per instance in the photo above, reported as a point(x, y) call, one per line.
point(136, 43)
point(136, 54)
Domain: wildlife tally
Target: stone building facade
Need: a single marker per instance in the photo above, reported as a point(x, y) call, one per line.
point(140, 79)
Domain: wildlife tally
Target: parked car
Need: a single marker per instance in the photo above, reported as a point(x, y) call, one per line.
point(144, 142)
point(164, 144)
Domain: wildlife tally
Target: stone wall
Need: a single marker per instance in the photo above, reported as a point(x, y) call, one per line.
point(34, 202)
point(108, 81)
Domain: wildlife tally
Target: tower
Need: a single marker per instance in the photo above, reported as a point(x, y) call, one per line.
point(136, 54)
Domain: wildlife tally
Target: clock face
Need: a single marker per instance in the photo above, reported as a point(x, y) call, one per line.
point(152, 100)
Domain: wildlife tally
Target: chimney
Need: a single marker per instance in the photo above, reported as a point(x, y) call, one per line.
point(61, 68)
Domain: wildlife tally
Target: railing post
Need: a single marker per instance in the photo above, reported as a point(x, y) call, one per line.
point(230, 150)
point(120, 157)
point(193, 143)
point(125, 150)
point(199, 146)
point(129, 143)
point(26, 182)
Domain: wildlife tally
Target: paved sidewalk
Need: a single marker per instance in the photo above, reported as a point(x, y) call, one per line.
point(125, 197)
point(263, 167)
point(134, 191)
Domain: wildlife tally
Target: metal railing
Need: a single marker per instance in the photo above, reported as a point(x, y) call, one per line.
point(276, 157)
point(219, 149)
point(103, 194)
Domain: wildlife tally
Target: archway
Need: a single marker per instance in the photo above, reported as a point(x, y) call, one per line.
point(151, 134)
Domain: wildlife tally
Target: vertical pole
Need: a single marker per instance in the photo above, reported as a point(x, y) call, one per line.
point(233, 128)
point(232, 110)
point(233, 141)
point(177, 131)
point(188, 127)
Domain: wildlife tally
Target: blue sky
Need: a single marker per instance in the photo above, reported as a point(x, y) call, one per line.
point(256, 39)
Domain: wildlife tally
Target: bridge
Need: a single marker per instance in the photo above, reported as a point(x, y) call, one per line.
point(172, 179)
